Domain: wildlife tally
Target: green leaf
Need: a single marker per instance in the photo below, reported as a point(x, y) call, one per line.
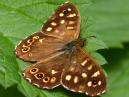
point(110, 20)
point(10, 92)
point(8, 64)
point(118, 72)
point(19, 19)
point(99, 58)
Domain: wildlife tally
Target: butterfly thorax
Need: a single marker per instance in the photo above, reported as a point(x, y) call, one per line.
point(76, 43)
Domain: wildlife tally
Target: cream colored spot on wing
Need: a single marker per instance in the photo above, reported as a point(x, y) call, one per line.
point(99, 83)
point(84, 75)
point(84, 62)
point(69, 9)
point(41, 40)
point(80, 91)
point(53, 80)
point(75, 80)
point(86, 93)
point(53, 24)
point(70, 28)
point(90, 67)
point(61, 14)
point(54, 72)
point(30, 54)
point(71, 22)
point(56, 31)
point(62, 21)
point(36, 84)
point(98, 93)
point(49, 29)
point(103, 91)
point(24, 45)
point(36, 37)
point(89, 84)
point(68, 77)
point(71, 15)
point(72, 68)
point(29, 79)
point(74, 61)
point(96, 74)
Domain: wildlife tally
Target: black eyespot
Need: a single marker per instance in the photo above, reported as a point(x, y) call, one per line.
point(65, 11)
point(39, 75)
point(94, 82)
point(30, 40)
point(25, 49)
point(34, 70)
point(46, 78)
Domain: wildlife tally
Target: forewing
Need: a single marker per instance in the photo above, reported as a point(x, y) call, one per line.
point(60, 29)
point(38, 46)
point(47, 73)
point(82, 74)
point(65, 22)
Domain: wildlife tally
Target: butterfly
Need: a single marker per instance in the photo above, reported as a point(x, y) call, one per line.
point(58, 56)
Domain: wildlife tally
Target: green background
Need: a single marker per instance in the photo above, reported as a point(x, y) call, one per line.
point(108, 20)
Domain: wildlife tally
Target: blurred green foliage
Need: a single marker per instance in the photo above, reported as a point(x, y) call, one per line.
point(107, 20)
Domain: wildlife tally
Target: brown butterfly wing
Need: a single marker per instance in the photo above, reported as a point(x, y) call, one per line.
point(60, 29)
point(82, 74)
point(46, 73)
point(65, 23)
point(38, 46)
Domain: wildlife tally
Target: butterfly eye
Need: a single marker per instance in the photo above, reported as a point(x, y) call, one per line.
point(34, 70)
point(39, 75)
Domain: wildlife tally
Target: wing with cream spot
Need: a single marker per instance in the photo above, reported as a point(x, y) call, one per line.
point(61, 28)
point(82, 74)
point(65, 22)
point(38, 46)
point(46, 73)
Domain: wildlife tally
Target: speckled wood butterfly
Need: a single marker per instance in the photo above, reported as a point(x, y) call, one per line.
point(58, 56)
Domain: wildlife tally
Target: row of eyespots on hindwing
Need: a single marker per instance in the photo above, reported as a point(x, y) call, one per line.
point(41, 76)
